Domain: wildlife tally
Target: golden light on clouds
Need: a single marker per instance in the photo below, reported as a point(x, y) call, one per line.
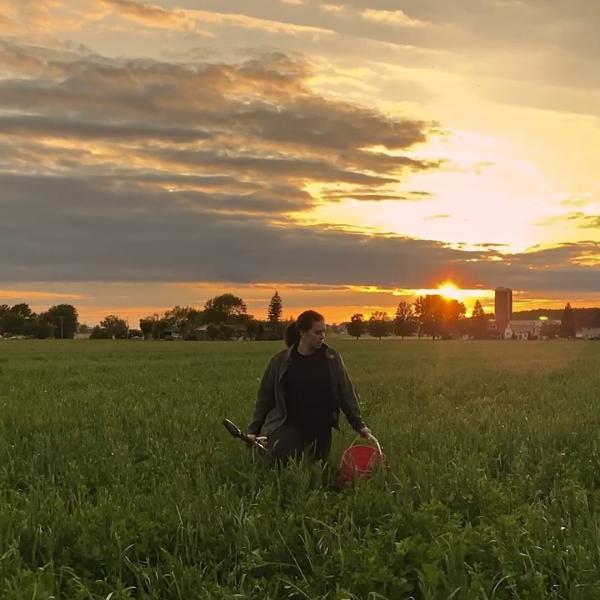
point(448, 289)
point(391, 17)
point(19, 295)
point(483, 194)
point(587, 260)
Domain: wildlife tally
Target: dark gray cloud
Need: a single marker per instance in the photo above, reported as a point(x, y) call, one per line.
point(305, 124)
point(35, 126)
point(71, 229)
point(256, 120)
point(295, 169)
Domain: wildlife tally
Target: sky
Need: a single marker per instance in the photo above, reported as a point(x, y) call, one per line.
point(348, 154)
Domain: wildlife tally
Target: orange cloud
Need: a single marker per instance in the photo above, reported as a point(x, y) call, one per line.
point(150, 15)
point(391, 17)
point(45, 17)
point(33, 295)
point(155, 16)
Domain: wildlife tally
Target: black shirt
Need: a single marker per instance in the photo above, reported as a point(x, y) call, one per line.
point(308, 394)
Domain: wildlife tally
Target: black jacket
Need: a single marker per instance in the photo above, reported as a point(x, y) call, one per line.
point(270, 411)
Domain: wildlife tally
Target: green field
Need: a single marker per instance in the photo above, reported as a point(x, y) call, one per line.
point(118, 481)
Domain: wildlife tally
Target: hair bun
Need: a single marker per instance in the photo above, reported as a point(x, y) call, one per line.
point(292, 334)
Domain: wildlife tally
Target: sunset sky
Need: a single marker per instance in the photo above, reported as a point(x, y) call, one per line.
point(348, 154)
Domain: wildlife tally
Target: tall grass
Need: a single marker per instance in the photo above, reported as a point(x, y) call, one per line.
point(118, 481)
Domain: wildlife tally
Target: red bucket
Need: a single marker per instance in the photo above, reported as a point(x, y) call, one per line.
point(359, 461)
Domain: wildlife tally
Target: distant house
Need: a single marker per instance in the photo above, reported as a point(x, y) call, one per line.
point(237, 332)
point(530, 329)
point(588, 333)
point(500, 330)
point(201, 333)
point(524, 330)
point(170, 333)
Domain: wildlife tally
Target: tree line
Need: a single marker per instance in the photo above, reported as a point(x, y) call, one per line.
point(432, 315)
point(59, 321)
point(226, 316)
point(223, 317)
point(442, 318)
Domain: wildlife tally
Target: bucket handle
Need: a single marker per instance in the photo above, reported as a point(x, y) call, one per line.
point(371, 438)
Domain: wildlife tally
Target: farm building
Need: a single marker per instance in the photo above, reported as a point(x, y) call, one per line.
point(201, 333)
point(588, 333)
point(522, 330)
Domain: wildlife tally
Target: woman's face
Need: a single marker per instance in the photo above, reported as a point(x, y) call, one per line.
point(313, 338)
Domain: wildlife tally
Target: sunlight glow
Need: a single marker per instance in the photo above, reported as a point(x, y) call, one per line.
point(449, 290)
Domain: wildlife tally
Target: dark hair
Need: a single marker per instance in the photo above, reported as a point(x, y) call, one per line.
point(302, 323)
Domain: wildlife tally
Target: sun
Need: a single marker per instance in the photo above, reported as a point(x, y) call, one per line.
point(449, 290)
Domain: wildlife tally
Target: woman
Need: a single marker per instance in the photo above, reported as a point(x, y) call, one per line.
point(301, 394)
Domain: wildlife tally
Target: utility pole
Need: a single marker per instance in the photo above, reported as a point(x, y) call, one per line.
point(62, 333)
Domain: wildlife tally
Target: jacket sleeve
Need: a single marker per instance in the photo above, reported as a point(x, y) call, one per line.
point(348, 398)
point(265, 399)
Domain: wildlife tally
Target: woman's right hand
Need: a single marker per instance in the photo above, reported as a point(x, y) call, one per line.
point(365, 432)
point(251, 437)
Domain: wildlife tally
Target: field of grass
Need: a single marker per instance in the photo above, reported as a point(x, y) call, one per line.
point(117, 479)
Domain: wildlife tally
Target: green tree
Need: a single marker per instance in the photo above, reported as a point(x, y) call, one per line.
point(225, 308)
point(153, 327)
point(426, 315)
point(15, 320)
point(404, 320)
point(39, 328)
point(64, 319)
point(567, 323)
point(439, 316)
point(379, 325)
point(146, 327)
point(183, 319)
point(226, 332)
point(212, 331)
point(478, 323)
point(356, 326)
point(100, 333)
point(274, 312)
point(22, 309)
point(550, 330)
point(12, 324)
point(255, 329)
point(115, 327)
